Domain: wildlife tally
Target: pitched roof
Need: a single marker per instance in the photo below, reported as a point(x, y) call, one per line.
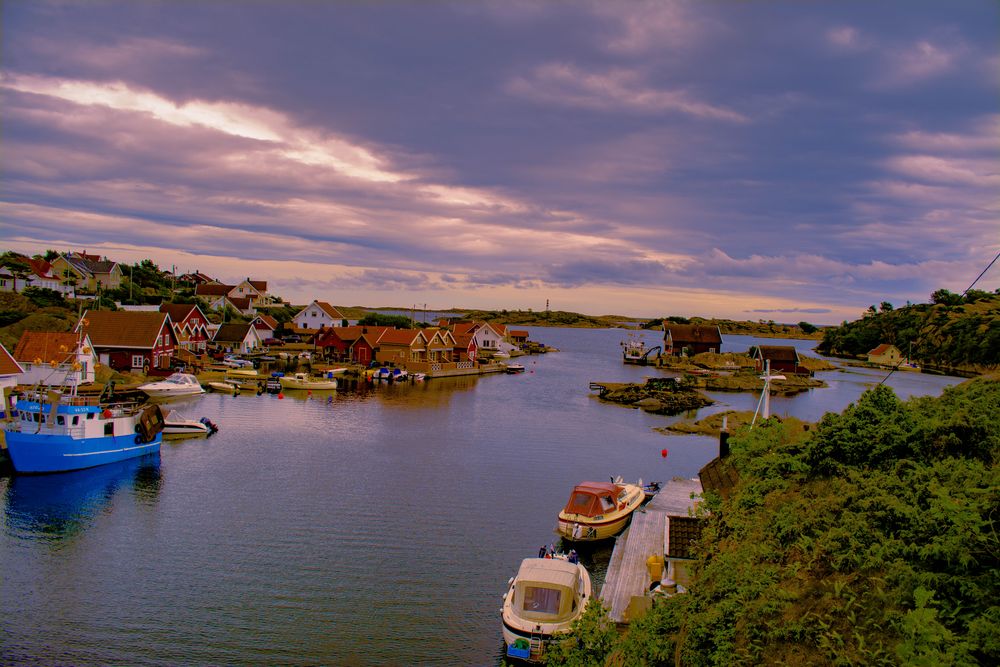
point(240, 302)
point(41, 268)
point(259, 285)
point(692, 333)
point(881, 349)
point(90, 263)
point(123, 328)
point(48, 346)
point(178, 311)
point(329, 310)
point(265, 321)
point(518, 333)
point(400, 336)
point(8, 365)
point(212, 289)
point(460, 328)
point(232, 333)
point(778, 352)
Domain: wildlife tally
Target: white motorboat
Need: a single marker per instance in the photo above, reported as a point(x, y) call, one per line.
point(178, 384)
point(176, 425)
point(306, 381)
point(514, 368)
point(543, 600)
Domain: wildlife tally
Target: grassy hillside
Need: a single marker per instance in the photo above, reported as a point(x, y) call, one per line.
point(869, 539)
point(955, 332)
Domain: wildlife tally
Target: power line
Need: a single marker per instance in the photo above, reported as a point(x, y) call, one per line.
point(981, 274)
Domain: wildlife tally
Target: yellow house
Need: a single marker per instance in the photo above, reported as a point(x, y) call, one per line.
point(399, 346)
point(88, 271)
point(885, 354)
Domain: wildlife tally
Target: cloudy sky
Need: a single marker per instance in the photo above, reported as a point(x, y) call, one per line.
point(755, 160)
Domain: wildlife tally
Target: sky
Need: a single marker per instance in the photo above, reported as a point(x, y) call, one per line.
point(787, 161)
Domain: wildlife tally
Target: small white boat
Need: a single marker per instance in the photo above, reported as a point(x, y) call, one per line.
point(178, 384)
point(306, 381)
point(514, 368)
point(501, 355)
point(419, 377)
point(225, 387)
point(543, 600)
point(176, 425)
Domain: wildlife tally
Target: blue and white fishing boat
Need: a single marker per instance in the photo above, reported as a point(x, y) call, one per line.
point(57, 432)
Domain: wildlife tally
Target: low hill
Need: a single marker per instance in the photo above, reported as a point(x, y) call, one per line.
point(954, 333)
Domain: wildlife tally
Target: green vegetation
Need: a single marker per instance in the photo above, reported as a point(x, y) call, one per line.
point(951, 332)
point(869, 539)
point(547, 318)
point(383, 320)
point(763, 328)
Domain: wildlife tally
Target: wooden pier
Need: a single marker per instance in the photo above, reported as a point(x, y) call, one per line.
point(627, 582)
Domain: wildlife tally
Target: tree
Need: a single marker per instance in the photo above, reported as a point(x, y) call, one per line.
point(16, 265)
point(807, 328)
point(383, 320)
point(946, 298)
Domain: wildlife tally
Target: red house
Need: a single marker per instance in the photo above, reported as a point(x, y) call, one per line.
point(690, 339)
point(190, 325)
point(783, 358)
point(140, 341)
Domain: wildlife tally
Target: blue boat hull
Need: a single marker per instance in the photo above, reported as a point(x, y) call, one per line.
point(40, 453)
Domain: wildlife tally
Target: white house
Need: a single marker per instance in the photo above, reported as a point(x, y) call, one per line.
point(53, 358)
point(241, 338)
point(315, 315)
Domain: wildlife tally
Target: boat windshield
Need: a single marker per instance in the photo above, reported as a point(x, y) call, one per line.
point(541, 600)
point(177, 378)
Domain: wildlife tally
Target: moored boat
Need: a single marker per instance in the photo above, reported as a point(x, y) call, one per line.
point(57, 432)
point(225, 387)
point(177, 384)
point(176, 425)
point(542, 601)
point(306, 381)
point(598, 510)
point(514, 368)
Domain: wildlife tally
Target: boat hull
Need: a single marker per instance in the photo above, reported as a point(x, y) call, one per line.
point(288, 383)
point(581, 528)
point(43, 453)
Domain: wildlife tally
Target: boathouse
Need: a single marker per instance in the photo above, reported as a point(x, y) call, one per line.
point(783, 358)
point(690, 339)
point(139, 341)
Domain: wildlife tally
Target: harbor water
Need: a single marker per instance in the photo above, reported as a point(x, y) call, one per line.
point(362, 527)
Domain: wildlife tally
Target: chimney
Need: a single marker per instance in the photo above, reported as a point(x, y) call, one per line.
point(724, 439)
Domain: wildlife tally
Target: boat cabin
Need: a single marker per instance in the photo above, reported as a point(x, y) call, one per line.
point(546, 590)
point(594, 498)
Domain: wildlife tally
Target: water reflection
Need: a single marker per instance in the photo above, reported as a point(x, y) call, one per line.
point(59, 506)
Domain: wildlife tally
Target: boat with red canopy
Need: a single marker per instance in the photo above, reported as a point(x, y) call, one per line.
point(598, 510)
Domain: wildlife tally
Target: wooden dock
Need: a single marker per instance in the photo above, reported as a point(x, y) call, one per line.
point(628, 576)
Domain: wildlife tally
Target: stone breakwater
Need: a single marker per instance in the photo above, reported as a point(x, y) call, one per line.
point(661, 396)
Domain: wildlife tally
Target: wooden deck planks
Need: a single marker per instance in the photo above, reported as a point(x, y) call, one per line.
point(627, 573)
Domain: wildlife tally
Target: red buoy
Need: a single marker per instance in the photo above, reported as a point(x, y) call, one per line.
point(107, 414)
point(280, 396)
point(664, 453)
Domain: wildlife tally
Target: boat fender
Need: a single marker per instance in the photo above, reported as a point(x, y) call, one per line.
point(139, 439)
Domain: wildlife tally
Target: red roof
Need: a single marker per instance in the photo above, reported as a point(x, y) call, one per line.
point(48, 346)
point(881, 349)
point(399, 336)
point(265, 321)
point(8, 365)
point(212, 289)
point(123, 328)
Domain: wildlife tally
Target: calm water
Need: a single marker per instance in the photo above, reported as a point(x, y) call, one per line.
point(379, 528)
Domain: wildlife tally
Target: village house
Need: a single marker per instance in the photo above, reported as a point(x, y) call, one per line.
point(399, 346)
point(131, 341)
point(90, 272)
point(195, 278)
point(265, 326)
point(440, 345)
point(488, 340)
point(245, 297)
point(190, 325)
point(885, 354)
point(517, 337)
point(783, 358)
point(465, 347)
point(55, 358)
point(10, 374)
point(39, 274)
point(317, 314)
point(690, 339)
point(238, 337)
point(341, 343)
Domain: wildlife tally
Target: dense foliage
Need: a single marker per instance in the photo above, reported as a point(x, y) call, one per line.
point(870, 539)
point(952, 331)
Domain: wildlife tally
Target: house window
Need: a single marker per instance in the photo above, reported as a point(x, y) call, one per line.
point(137, 360)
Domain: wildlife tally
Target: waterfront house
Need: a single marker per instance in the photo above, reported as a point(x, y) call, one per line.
point(55, 358)
point(440, 345)
point(690, 339)
point(317, 314)
point(90, 272)
point(131, 341)
point(363, 350)
point(237, 337)
point(783, 358)
point(465, 347)
point(265, 326)
point(190, 325)
point(885, 354)
point(398, 346)
point(10, 375)
point(517, 337)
